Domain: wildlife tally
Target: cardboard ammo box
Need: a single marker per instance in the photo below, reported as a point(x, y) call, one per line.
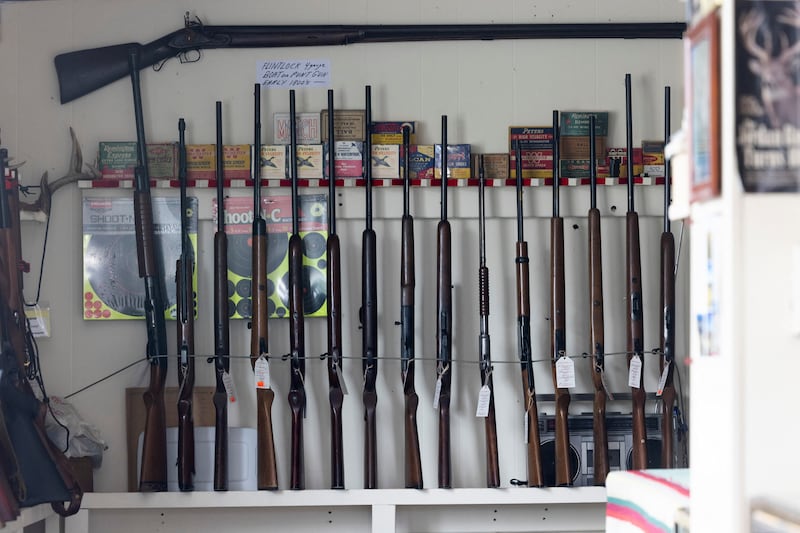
point(349, 159)
point(274, 159)
point(348, 125)
point(309, 161)
point(458, 161)
point(535, 163)
point(117, 160)
point(392, 132)
point(201, 161)
point(495, 166)
point(617, 160)
point(530, 137)
point(420, 161)
point(577, 147)
point(307, 128)
point(385, 161)
point(577, 123)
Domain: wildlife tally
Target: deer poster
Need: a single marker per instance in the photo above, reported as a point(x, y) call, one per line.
point(768, 95)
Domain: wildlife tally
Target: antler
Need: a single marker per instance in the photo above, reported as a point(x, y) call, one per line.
point(749, 25)
point(74, 174)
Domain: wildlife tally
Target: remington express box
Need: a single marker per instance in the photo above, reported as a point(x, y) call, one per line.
point(578, 147)
point(309, 161)
point(307, 128)
point(535, 163)
point(617, 160)
point(581, 168)
point(577, 123)
point(495, 166)
point(458, 161)
point(201, 161)
point(385, 161)
point(117, 160)
point(530, 137)
point(348, 125)
point(392, 132)
point(420, 161)
point(349, 161)
point(274, 158)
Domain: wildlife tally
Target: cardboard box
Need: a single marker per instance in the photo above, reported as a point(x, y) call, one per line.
point(577, 147)
point(385, 161)
point(617, 160)
point(392, 132)
point(274, 161)
point(653, 171)
point(307, 128)
point(421, 158)
point(201, 161)
point(577, 123)
point(530, 137)
point(535, 163)
point(309, 161)
point(495, 166)
point(580, 168)
point(349, 159)
point(653, 153)
point(348, 125)
point(117, 160)
point(458, 161)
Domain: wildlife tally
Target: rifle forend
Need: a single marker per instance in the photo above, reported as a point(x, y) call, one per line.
point(84, 71)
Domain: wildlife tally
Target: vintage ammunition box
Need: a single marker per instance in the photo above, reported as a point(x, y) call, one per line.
point(349, 159)
point(201, 161)
point(392, 132)
point(652, 171)
point(309, 161)
point(348, 125)
point(117, 160)
point(577, 147)
point(530, 137)
point(577, 123)
point(274, 159)
point(617, 160)
point(653, 153)
point(495, 166)
point(580, 168)
point(535, 163)
point(307, 127)
point(458, 161)
point(385, 161)
point(420, 161)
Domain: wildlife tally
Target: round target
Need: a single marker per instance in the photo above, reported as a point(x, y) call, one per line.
point(240, 254)
point(314, 245)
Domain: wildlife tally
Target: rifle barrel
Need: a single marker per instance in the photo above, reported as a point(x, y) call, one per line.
point(444, 324)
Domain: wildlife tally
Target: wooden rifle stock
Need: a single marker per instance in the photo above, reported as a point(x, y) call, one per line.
point(185, 329)
point(153, 476)
point(297, 394)
point(413, 463)
point(635, 319)
point(596, 324)
point(259, 334)
point(534, 455)
point(558, 341)
point(221, 329)
point(369, 316)
point(334, 285)
point(484, 344)
point(444, 325)
point(667, 312)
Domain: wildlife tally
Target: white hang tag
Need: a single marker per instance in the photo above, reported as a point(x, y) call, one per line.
point(262, 373)
point(663, 381)
point(484, 399)
point(635, 372)
point(526, 423)
point(340, 377)
point(609, 394)
point(565, 373)
point(437, 391)
point(227, 380)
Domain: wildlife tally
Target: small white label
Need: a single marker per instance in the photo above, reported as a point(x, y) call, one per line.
point(484, 399)
point(635, 372)
point(663, 381)
point(437, 391)
point(609, 395)
point(39, 320)
point(340, 377)
point(294, 73)
point(565, 373)
point(227, 380)
point(262, 373)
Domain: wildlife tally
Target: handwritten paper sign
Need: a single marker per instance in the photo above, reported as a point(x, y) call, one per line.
point(294, 73)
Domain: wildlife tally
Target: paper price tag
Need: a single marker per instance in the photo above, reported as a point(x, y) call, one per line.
point(663, 381)
point(261, 370)
point(227, 380)
point(484, 399)
point(565, 373)
point(635, 372)
point(437, 391)
point(340, 377)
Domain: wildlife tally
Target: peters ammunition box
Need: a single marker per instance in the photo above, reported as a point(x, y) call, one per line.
point(348, 125)
point(392, 132)
point(458, 161)
point(349, 159)
point(495, 166)
point(535, 163)
point(385, 161)
point(309, 161)
point(530, 137)
point(117, 160)
point(274, 159)
point(577, 147)
point(420, 161)
point(577, 123)
point(201, 161)
point(307, 128)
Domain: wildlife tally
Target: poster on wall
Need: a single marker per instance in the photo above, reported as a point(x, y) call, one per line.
point(768, 94)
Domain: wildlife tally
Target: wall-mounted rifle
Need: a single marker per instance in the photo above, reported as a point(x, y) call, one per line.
point(184, 270)
point(334, 285)
point(259, 334)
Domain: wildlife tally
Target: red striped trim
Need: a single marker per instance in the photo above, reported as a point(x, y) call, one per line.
point(631, 516)
point(663, 481)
